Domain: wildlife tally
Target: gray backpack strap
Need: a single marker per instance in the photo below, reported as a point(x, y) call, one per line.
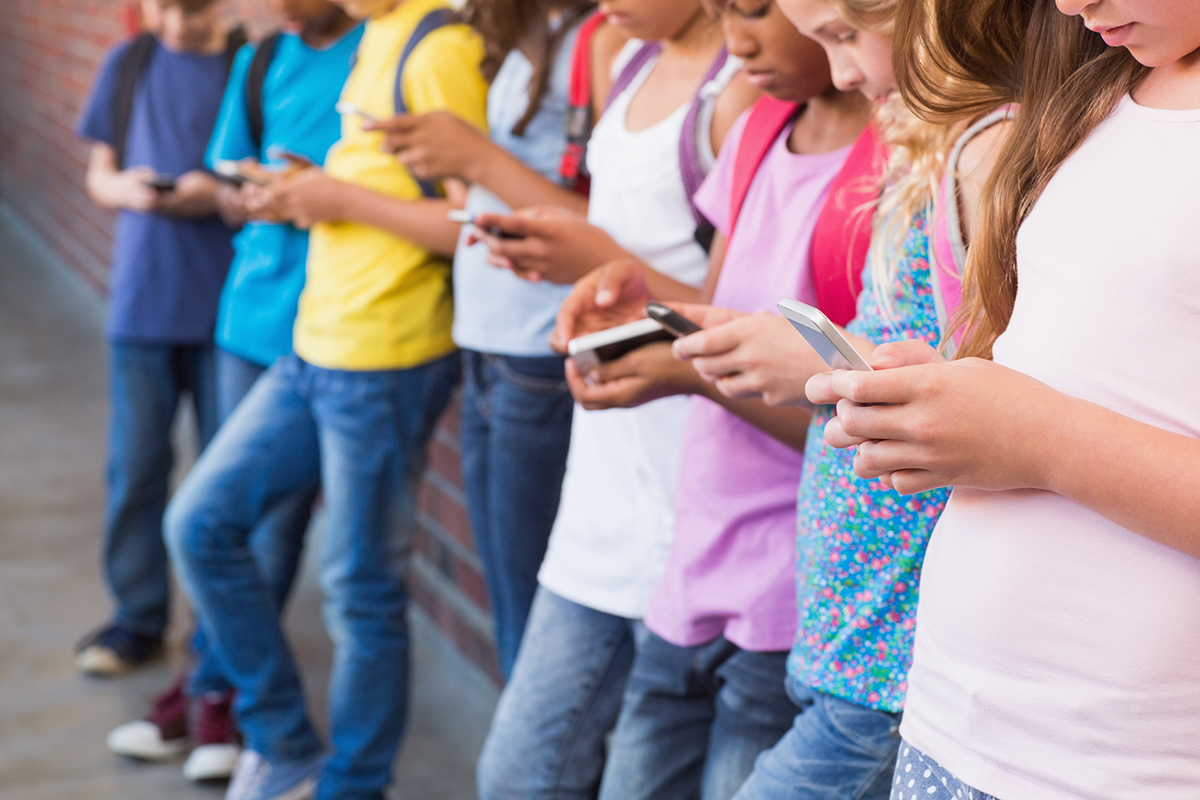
point(438, 18)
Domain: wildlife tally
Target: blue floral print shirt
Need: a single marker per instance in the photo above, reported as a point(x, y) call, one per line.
point(860, 545)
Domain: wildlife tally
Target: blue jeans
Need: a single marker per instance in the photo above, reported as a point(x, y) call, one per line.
point(516, 428)
point(918, 775)
point(147, 382)
point(278, 540)
point(363, 434)
point(694, 719)
point(835, 750)
point(547, 736)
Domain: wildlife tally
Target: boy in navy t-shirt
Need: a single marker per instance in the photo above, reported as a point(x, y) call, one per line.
point(169, 259)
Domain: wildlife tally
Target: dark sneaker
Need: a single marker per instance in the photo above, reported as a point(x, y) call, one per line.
point(161, 735)
point(215, 738)
point(113, 651)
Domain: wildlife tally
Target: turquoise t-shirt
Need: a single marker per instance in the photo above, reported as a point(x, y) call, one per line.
point(860, 545)
point(258, 303)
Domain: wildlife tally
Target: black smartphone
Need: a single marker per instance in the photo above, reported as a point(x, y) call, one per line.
point(468, 218)
point(673, 321)
point(161, 183)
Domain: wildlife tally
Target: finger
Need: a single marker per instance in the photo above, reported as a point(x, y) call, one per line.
point(876, 457)
point(836, 436)
point(398, 123)
point(500, 262)
point(737, 386)
point(613, 280)
point(887, 386)
point(903, 423)
point(714, 367)
point(705, 316)
point(575, 381)
point(909, 352)
point(513, 225)
point(709, 342)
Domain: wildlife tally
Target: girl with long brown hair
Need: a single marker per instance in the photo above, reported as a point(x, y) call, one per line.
point(1057, 652)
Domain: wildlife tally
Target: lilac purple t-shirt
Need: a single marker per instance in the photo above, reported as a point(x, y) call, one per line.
point(731, 569)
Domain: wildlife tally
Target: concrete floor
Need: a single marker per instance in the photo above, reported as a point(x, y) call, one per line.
point(53, 409)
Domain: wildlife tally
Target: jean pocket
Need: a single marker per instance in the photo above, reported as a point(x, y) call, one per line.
point(533, 375)
point(867, 728)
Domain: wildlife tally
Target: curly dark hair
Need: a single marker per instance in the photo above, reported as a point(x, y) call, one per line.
point(506, 25)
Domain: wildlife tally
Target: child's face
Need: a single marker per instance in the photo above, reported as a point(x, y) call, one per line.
point(778, 59)
point(303, 12)
point(1156, 32)
point(188, 31)
point(858, 59)
point(651, 19)
point(361, 9)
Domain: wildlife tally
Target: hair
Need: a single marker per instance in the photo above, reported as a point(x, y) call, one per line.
point(975, 56)
point(188, 6)
point(506, 25)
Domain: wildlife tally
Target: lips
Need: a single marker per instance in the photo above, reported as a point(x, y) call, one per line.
point(1114, 36)
point(760, 79)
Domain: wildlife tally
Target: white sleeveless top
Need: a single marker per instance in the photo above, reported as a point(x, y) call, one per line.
point(616, 521)
point(1057, 653)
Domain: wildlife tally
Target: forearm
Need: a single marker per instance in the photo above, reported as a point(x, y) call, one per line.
point(667, 289)
point(1141, 477)
point(422, 222)
point(788, 424)
point(507, 177)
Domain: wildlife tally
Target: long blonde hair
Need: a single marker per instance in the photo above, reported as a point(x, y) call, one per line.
point(1066, 80)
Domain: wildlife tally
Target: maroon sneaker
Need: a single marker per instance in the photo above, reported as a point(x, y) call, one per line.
point(161, 735)
point(216, 741)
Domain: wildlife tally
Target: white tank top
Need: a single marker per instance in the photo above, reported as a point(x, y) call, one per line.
point(616, 521)
point(1057, 653)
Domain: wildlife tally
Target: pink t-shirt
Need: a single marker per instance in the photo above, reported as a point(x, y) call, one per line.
point(1057, 653)
point(732, 565)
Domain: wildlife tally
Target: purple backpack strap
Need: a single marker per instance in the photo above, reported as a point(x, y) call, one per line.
point(631, 70)
point(689, 151)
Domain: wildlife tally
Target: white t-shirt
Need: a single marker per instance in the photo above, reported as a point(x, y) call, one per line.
point(1057, 653)
point(616, 521)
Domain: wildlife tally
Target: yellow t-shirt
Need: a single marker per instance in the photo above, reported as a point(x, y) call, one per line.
point(374, 301)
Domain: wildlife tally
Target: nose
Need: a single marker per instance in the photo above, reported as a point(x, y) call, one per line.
point(1074, 7)
point(738, 40)
point(845, 73)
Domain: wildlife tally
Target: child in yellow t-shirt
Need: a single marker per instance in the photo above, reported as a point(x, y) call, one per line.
point(354, 405)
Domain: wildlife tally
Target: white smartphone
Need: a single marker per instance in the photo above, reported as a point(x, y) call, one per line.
point(348, 109)
point(461, 215)
point(593, 349)
point(232, 172)
point(819, 332)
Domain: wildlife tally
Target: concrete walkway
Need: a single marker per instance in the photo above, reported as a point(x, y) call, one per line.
point(53, 407)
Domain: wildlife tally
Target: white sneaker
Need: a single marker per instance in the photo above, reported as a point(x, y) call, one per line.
point(255, 778)
point(143, 739)
point(211, 762)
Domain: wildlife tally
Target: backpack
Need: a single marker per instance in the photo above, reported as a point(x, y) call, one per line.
point(256, 76)
point(572, 168)
point(689, 154)
point(130, 69)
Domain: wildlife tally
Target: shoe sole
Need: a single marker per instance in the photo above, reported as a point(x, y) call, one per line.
point(211, 763)
point(305, 790)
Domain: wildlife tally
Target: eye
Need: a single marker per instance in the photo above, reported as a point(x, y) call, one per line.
point(758, 13)
point(847, 38)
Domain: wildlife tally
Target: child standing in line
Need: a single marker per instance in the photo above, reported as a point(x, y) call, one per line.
point(516, 409)
point(353, 406)
point(706, 692)
point(294, 83)
point(1057, 652)
point(615, 523)
point(149, 117)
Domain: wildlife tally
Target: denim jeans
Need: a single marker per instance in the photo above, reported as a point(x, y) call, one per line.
point(547, 736)
point(516, 428)
point(363, 434)
point(694, 719)
point(147, 382)
point(277, 541)
point(919, 776)
point(835, 750)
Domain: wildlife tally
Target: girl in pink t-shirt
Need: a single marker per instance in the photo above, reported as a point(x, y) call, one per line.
point(1058, 633)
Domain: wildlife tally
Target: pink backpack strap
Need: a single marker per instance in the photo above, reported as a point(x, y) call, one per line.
point(767, 120)
point(842, 235)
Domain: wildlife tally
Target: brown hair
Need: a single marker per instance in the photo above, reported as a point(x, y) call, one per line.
point(1067, 81)
point(188, 6)
point(506, 25)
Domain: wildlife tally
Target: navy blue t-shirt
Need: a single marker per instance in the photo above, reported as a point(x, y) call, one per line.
point(167, 272)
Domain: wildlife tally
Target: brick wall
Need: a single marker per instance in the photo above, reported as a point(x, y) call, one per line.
point(49, 52)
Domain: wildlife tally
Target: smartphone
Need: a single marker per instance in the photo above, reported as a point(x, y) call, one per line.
point(231, 171)
point(593, 349)
point(348, 109)
point(675, 323)
point(819, 332)
point(161, 183)
point(468, 218)
point(277, 153)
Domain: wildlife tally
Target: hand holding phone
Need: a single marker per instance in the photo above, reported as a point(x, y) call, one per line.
point(675, 323)
point(593, 349)
point(232, 172)
point(348, 109)
point(822, 335)
point(468, 218)
point(161, 183)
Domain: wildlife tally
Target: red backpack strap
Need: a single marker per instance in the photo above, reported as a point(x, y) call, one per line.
point(842, 235)
point(767, 120)
point(572, 166)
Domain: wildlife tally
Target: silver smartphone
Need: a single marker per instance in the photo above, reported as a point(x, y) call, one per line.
point(593, 349)
point(232, 172)
point(824, 337)
point(347, 109)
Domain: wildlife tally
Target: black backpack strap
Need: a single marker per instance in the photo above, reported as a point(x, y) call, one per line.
point(256, 76)
point(235, 41)
point(438, 18)
point(133, 63)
